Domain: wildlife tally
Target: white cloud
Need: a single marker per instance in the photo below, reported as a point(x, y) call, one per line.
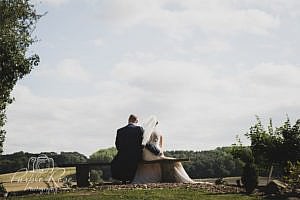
point(187, 79)
point(67, 69)
point(275, 76)
point(280, 7)
point(213, 46)
point(53, 2)
point(194, 103)
point(98, 42)
point(72, 69)
point(205, 68)
point(62, 124)
point(208, 16)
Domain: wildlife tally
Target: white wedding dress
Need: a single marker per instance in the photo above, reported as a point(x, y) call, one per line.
point(153, 173)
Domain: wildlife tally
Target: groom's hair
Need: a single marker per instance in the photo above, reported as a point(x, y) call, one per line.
point(132, 119)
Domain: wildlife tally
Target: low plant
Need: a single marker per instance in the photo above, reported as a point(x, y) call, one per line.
point(2, 189)
point(292, 177)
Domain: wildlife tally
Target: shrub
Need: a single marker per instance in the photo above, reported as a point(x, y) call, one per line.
point(2, 189)
point(293, 174)
point(249, 178)
point(95, 176)
point(220, 181)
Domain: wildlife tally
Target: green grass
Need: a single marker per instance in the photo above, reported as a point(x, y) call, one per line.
point(141, 194)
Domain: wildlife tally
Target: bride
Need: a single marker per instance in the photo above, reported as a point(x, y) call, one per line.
point(157, 172)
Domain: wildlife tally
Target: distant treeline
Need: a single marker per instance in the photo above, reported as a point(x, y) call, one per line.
point(19, 160)
point(204, 164)
point(209, 164)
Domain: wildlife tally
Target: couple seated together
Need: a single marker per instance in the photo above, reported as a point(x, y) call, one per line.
point(136, 144)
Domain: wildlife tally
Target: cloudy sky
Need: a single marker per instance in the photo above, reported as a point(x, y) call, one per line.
point(205, 68)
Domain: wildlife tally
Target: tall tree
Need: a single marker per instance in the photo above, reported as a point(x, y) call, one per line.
point(17, 22)
point(275, 146)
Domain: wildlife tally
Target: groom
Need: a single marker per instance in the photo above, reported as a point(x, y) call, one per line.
point(129, 146)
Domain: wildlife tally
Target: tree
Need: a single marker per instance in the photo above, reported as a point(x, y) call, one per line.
point(249, 177)
point(95, 176)
point(290, 147)
point(275, 146)
point(17, 22)
point(103, 155)
point(216, 163)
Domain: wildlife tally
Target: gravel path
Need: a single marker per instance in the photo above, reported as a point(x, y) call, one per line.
point(208, 187)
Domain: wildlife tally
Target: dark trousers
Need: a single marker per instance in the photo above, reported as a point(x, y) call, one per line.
point(124, 169)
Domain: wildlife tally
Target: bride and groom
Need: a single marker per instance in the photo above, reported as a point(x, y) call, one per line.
point(135, 144)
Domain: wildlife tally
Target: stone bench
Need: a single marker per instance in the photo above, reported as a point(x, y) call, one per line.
point(83, 169)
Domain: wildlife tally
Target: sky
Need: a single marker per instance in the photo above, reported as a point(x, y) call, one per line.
point(205, 68)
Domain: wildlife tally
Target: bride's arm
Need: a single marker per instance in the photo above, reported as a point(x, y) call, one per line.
point(160, 142)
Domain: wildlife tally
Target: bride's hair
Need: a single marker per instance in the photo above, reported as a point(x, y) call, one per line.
point(132, 119)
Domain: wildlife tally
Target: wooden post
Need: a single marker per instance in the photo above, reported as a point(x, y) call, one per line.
point(270, 174)
point(82, 175)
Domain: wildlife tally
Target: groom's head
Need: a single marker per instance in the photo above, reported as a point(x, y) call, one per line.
point(132, 119)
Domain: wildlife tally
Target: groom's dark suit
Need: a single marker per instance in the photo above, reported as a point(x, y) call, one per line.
point(129, 146)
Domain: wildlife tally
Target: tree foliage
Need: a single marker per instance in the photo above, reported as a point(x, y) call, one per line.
point(249, 177)
point(95, 176)
point(19, 160)
point(275, 145)
point(17, 23)
point(209, 164)
point(293, 174)
point(103, 155)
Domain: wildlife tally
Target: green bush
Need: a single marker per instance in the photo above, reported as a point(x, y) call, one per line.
point(95, 176)
point(2, 189)
point(293, 175)
point(249, 177)
point(220, 181)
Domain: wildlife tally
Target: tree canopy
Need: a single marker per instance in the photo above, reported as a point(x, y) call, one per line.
point(17, 23)
point(13, 162)
point(275, 146)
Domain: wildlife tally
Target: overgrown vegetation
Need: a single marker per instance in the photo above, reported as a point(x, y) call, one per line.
point(208, 164)
point(279, 147)
point(293, 175)
point(16, 161)
point(249, 177)
point(17, 23)
point(275, 146)
point(2, 189)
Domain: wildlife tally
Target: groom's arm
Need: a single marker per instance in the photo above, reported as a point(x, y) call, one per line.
point(117, 143)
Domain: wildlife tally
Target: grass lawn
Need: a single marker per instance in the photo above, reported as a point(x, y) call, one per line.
point(163, 194)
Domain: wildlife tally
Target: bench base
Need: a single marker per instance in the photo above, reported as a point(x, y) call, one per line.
point(83, 170)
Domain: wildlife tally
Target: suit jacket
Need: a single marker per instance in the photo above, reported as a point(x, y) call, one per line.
point(129, 146)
